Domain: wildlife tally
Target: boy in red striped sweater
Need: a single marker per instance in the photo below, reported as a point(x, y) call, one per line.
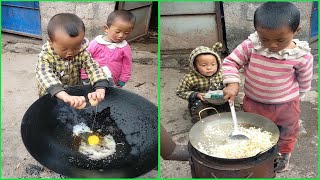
point(277, 70)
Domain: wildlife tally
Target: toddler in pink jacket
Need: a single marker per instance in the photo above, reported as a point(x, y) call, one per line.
point(111, 51)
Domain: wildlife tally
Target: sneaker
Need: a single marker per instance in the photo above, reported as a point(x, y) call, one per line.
point(195, 115)
point(282, 162)
point(195, 109)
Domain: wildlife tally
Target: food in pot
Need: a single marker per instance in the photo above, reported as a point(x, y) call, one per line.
point(94, 147)
point(80, 129)
point(105, 148)
point(259, 140)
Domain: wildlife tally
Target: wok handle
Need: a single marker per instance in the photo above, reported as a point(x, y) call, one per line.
point(207, 109)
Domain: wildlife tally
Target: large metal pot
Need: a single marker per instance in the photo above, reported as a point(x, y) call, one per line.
point(47, 127)
point(224, 122)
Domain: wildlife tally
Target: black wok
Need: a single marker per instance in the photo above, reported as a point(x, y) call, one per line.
point(47, 127)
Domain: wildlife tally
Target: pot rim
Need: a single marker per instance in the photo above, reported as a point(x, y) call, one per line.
point(221, 117)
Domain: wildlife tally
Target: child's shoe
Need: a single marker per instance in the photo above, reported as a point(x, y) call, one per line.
point(282, 162)
point(195, 108)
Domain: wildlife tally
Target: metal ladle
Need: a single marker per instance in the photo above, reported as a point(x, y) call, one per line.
point(236, 134)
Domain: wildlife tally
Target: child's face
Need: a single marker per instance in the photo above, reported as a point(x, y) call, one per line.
point(119, 30)
point(65, 46)
point(276, 39)
point(206, 64)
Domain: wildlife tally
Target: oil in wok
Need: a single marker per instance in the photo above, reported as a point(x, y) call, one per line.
point(92, 144)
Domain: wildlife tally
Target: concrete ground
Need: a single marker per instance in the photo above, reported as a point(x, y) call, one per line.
point(175, 118)
point(19, 56)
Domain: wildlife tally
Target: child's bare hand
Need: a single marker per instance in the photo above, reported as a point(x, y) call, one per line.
point(231, 91)
point(73, 101)
point(99, 95)
point(201, 96)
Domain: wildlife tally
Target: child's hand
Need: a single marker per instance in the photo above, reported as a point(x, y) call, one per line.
point(201, 96)
point(73, 101)
point(99, 95)
point(302, 95)
point(231, 91)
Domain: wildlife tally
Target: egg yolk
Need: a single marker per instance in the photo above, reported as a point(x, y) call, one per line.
point(93, 140)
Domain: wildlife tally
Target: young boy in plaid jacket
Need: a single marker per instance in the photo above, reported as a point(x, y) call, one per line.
point(62, 58)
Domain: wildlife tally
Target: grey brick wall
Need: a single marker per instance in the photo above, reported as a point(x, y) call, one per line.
point(239, 21)
point(93, 14)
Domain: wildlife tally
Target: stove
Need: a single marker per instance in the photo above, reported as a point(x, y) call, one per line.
point(260, 166)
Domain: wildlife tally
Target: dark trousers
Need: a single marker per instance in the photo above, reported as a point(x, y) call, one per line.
point(196, 105)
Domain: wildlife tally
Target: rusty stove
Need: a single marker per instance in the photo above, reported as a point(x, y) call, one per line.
point(203, 166)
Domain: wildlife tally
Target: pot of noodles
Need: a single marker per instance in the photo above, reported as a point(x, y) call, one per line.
point(116, 138)
point(211, 136)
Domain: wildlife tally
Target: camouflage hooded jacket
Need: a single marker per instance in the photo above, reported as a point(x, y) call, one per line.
point(194, 82)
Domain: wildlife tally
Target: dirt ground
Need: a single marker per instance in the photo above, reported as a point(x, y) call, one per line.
point(19, 92)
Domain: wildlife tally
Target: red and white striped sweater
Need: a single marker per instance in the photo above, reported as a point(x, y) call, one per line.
point(270, 77)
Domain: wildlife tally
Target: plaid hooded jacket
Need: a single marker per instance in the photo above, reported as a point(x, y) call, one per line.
point(194, 82)
point(54, 72)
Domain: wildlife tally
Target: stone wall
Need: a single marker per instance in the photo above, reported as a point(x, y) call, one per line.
point(239, 21)
point(93, 14)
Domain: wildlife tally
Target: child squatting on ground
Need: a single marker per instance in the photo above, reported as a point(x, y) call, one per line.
point(205, 75)
point(111, 50)
point(62, 58)
point(277, 70)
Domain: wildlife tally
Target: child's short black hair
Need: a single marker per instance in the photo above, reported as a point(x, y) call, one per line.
point(123, 14)
point(273, 15)
point(70, 23)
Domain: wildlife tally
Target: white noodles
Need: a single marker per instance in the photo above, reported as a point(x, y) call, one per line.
point(234, 149)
